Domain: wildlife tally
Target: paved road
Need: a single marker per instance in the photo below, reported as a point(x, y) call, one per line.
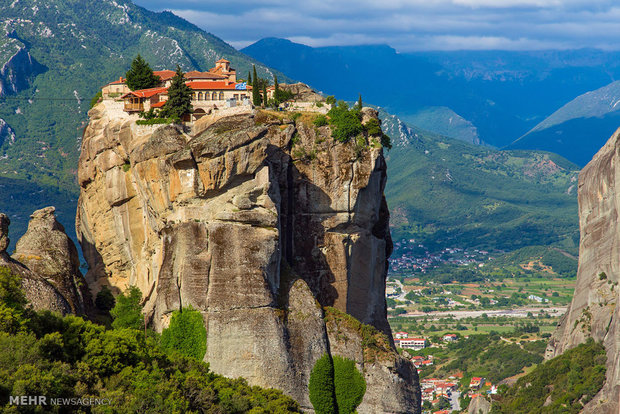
point(454, 400)
point(400, 297)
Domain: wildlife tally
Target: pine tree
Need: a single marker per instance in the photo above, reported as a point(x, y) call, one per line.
point(359, 102)
point(179, 100)
point(140, 75)
point(255, 91)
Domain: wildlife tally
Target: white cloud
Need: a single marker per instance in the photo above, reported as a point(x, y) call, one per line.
point(409, 25)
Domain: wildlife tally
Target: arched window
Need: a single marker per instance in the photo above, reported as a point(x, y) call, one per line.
point(214, 96)
point(221, 96)
point(207, 96)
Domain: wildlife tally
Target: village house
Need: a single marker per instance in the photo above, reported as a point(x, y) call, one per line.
point(476, 382)
point(450, 338)
point(399, 335)
point(411, 343)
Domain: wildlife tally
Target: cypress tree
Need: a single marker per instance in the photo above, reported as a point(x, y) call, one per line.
point(249, 78)
point(321, 387)
point(255, 92)
point(179, 97)
point(359, 102)
point(140, 75)
point(276, 91)
point(265, 94)
point(349, 385)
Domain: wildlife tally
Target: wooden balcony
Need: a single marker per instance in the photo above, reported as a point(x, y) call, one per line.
point(134, 107)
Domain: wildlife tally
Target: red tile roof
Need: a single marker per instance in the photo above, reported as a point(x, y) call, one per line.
point(164, 74)
point(223, 60)
point(158, 104)
point(194, 74)
point(212, 85)
point(146, 93)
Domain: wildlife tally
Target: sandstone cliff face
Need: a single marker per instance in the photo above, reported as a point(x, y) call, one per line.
point(47, 261)
point(593, 311)
point(257, 221)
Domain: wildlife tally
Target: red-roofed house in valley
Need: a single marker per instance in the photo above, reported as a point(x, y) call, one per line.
point(450, 338)
point(476, 382)
point(401, 334)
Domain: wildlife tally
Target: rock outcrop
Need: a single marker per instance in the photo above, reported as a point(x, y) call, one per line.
point(47, 262)
point(302, 92)
point(18, 68)
point(47, 251)
point(260, 222)
point(593, 312)
point(479, 405)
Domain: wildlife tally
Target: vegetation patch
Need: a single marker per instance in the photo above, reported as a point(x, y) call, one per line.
point(346, 123)
point(563, 384)
point(186, 334)
point(47, 354)
point(154, 121)
point(375, 344)
point(321, 388)
point(336, 386)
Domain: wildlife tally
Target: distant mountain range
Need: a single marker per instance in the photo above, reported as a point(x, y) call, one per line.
point(580, 128)
point(492, 97)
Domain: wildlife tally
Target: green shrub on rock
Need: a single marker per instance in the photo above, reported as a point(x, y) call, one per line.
point(336, 385)
point(186, 334)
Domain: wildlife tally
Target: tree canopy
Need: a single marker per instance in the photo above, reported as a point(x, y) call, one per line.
point(140, 75)
point(179, 100)
point(127, 312)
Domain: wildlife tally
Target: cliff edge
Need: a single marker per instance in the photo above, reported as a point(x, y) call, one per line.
point(593, 311)
point(276, 232)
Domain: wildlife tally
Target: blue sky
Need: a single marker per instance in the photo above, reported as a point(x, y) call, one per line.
point(409, 25)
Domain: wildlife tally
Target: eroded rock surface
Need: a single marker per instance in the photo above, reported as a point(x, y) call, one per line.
point(479, 405)
point(593, 311)
point(47, 251)
point(259, 222)
point(46, 285)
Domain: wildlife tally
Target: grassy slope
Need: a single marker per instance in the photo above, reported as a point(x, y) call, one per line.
point(450, 193)
point(561, 385)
